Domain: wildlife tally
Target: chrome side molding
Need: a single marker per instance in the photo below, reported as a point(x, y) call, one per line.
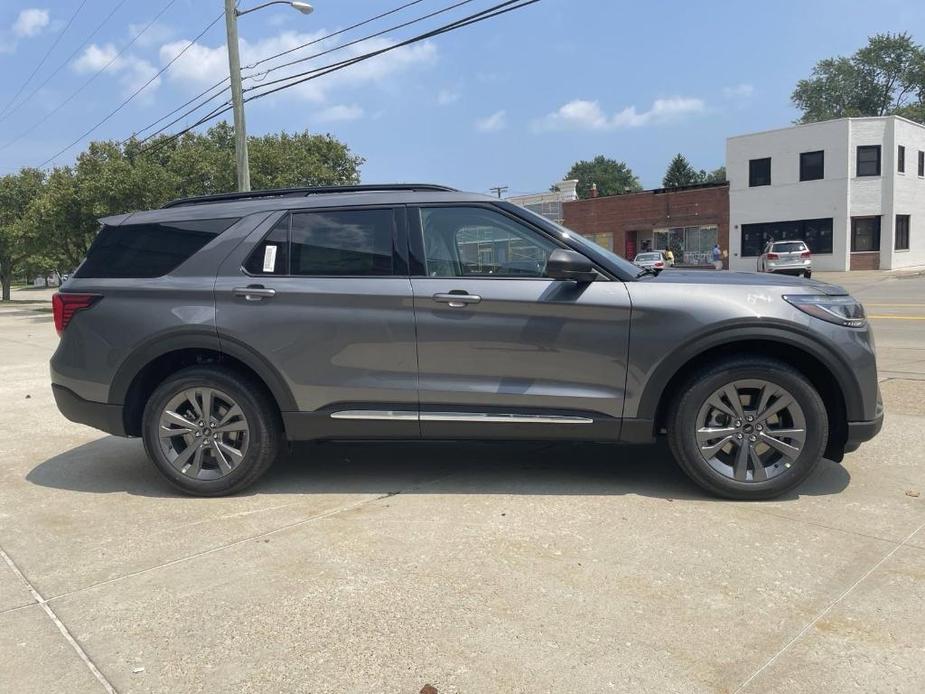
point(472, 417)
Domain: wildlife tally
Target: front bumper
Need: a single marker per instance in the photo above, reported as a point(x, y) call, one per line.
point(859, 432)
point(98, 415)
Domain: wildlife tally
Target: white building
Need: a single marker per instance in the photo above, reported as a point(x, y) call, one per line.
point(549, 204)
point(852, 188)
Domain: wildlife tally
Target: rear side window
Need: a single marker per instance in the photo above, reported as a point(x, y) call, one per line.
point(148, 250)
point(342, 242)
point(271, 257)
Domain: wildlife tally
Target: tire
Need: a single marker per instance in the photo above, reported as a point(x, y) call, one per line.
point(724, 473)
point(232, 457)
point(808, 274)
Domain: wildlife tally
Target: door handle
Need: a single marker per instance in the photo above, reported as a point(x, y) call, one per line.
point(254, 293)
point(457, 299)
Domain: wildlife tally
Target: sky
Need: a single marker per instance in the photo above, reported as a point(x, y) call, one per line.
point(512, 101)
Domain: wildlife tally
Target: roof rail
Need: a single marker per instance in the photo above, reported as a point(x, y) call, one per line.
point(303, 192)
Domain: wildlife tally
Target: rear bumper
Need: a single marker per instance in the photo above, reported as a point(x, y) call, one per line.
point(98, 415)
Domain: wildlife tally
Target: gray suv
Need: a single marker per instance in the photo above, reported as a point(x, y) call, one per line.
point(220, 328)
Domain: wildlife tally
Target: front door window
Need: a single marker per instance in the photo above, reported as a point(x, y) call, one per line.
point(865, 234)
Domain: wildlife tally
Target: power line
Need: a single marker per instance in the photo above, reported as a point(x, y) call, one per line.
point(136, 92)
point(490, 13)
point(268, 58)
point(90, 80)
point(46, 56)
point(64, 63)
point(316, 55)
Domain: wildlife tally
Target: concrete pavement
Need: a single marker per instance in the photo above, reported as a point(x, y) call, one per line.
point(379, 568)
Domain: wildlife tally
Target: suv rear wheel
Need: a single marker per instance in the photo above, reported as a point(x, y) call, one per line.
point(749, 429)
point(211, 431)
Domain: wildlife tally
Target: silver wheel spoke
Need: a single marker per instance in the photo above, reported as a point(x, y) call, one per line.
point(716, 402)
point(233, 412)
point(177, 420)
point(180, 461)
point(797, 435)
point(732, 394)
point(194, 468)
point(788, 451)
point(168, 433)
point(207, 405)
point(230, 450)
point(222, 461)
point(710, 451)
point(706, 434)
point(741, 463)
point(758, 472)
point(231, 427)
point(785, 400)
point(190, 396)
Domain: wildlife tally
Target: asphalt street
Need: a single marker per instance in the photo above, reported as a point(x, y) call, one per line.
point(473, 568)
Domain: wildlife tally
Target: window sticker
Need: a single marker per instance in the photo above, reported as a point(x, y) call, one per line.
point(269, 258)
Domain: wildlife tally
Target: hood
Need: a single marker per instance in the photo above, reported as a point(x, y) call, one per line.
point(753, 279)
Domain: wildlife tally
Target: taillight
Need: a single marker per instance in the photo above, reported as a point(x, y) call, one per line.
point(659, 263)
point(806, 254)
point(773, 256)
point(64, 306)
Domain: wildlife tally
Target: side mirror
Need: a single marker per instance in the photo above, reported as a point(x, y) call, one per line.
point(568, 265)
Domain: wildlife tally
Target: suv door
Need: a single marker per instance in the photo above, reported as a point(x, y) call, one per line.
point(323, 297)
point(502, 345)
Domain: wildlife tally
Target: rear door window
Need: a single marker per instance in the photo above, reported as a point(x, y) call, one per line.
point(351, 243)
point(148, 250)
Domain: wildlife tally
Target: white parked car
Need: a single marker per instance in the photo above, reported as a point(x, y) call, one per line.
point(650, 260)
point(786, 258)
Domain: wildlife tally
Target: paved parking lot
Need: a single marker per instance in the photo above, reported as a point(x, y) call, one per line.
point(476, 568)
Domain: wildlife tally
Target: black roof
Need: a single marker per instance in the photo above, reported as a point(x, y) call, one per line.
point(306, 191)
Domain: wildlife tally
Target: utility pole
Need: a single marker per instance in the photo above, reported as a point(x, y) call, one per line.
point(242, 164)
point(498, 190)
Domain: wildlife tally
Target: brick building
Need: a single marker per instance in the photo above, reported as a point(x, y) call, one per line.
point(688, 220)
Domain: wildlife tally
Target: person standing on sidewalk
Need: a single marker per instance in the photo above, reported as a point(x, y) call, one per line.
point(717, 255)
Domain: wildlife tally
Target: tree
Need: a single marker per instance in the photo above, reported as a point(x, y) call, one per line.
point(681, 173)
point(612, 177)
point(17, 192)
point(717, 175)
point(885, 77)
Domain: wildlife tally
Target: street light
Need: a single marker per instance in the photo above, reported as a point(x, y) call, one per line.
point(234, 69)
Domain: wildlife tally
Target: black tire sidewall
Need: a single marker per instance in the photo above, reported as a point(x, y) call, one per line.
point(264, 432)
point(683, 418)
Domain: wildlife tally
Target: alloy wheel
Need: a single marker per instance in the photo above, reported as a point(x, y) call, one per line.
point(203, 433)
point(750, 430)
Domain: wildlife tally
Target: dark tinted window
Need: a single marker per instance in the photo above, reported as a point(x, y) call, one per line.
point(759, 172)
point(921, 163)
point(902, 232)
point(815, 233)
point(868, 160)
point(901, 159)
point(865, 234)
point(788, 247)
point(476, 242)
point(148, 250)
point(271, 257)
point(812, 166)
point(345, 242)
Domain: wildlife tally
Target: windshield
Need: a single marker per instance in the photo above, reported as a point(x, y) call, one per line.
point(791, 247)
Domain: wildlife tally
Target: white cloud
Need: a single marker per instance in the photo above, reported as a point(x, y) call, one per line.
point(493, 123)
point(153, 35)
point(133, 71)
point(582, 114)
point(445, 97)
point(202, 65)
point(30, 22)
point(340, 112)
point(739, 91)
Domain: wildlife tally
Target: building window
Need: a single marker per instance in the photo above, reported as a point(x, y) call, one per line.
point(921, 163)
point(812, 166)
point(868, 160)
point(865, 234)
point(688, 245)
point(902, 232)
point(759, 172)
point(901, 159)
point(816, 233)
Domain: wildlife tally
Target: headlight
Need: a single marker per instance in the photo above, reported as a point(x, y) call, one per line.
point(841, 310)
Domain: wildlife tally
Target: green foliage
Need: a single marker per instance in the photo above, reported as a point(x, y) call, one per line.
point(612, 177)
point(681, 173)
point(48, 222)
point(885, 77)
point(717, 175)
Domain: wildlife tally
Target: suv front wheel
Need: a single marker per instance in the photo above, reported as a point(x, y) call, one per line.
point(210, 431)
point(750, 429)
